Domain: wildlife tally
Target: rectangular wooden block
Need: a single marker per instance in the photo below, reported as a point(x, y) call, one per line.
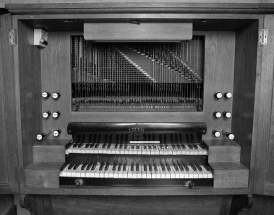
point(52, 150)
point(223, 150)
point(141, 32)
point(43, 175)
point(230, 175)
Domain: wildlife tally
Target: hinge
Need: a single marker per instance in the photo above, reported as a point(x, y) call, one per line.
point(263, 37)
point(12, 37)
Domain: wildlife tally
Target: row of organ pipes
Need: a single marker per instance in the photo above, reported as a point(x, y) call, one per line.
point(148, 75)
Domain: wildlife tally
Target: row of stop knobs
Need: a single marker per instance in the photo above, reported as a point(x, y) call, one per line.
point(47, 114)
point(225, 114)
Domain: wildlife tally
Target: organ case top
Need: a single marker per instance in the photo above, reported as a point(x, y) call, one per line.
point(136, 82)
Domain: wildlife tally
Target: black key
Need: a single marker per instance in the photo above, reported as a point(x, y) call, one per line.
point(69, 144)
point(76, 166)
point(198, 167)
point(183, 146)
point(175, 166)
point(71, 166)
point(206, 167)
point(145, 167)
point(154, 147)
point(89, 165)
point(173, 146)
point(104, 145)
point(195, 146)
point(109, 145)
point(75, 145)
point(145, 147)
point(64, 166)
point(125, 167)
point(168, 167)
point(178, 146)
point(97, 145)
point(138, 147)
point(185, 166)
point(161, 146)
point(132, 146)
point(114, 167)
point(120, 166)
point(155, 167)
point(193, 167)
point(116, 146)
point(121, 146)
point(125, 147)
point(102, 166)
point(149, 147)
point(132, 167)
point(180, 166)
point(107, 166)
point(92, 145)
point(190, 146)
point(202, 146)
point(87, 145)
point(84, 166)
point(166, 146)
point(150, 167)
point(94, 166)
point(137, 167)
point(163, 166)
point(80, 145)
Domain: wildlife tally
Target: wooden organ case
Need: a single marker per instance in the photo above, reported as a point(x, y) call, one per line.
point(125, 120)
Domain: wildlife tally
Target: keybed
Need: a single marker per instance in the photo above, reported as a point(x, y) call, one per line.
point(143, 76)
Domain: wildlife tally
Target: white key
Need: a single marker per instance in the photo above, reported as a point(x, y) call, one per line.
point(100, 148)
point(102, 172)
point(203, 173)
point(104, 148)
point(168, 173)
point(138, 149)
point(149, 173)
point(74, 149)
point(190, 149)
point(158, 172)
point(125, 172)
point(209, 173)
point(97, 171)
point(76, 172)
point(169, 149)
point(172, 172)
point(162, 172)
point(186, 150)
point(64, 172)
point(116, 149)
point(176, 173)
point(130, 171)
point(202, 151)
point(127, 149)
point(116, 172)
point(111, 149)
point(161, 149)
point(108, 173)
point(191, 172)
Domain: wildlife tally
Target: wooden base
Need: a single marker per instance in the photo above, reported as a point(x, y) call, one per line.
point(137, 205)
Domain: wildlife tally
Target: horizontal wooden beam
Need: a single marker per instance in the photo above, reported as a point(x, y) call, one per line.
point(144, 7)
point(138, 32)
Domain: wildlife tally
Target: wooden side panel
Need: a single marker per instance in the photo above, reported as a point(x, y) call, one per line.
point(3, 143)
point(8, 103)
point(244, 89)
point(30, 91)
point(219, 72)
point(264, 172)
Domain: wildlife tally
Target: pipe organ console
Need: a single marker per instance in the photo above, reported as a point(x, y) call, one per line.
point(131, 117)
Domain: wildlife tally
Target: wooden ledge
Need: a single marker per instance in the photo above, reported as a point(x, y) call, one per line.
point(223, 150)
point(144, 7)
